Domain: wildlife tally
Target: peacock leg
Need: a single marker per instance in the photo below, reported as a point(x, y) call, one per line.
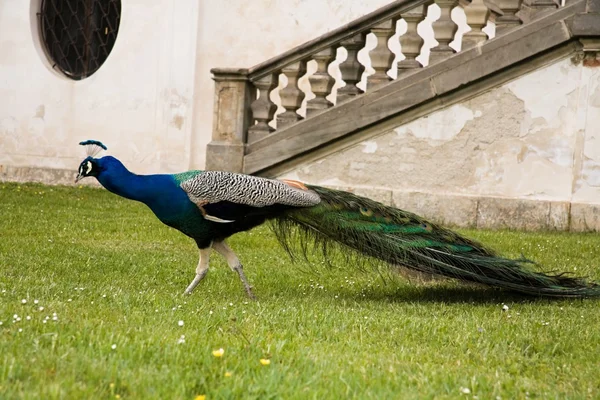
point(234, 263)
point(201, 270)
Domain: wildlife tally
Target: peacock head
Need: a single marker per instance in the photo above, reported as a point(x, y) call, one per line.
point(90, 166)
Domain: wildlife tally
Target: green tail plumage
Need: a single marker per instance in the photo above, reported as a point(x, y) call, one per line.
point(401, 238)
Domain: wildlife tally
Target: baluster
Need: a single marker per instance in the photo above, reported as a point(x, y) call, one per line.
point(509, 19)
point(263, 109)
point(477, 17)
point(321, 82)
point(351, 69)
point(411, 42)
point(444, 30)
point(381, 56)
point(291, 95)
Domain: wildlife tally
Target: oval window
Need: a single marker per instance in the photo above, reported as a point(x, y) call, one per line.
point(78, 35)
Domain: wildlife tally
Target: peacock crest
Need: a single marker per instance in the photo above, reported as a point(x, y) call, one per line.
point(93, 147)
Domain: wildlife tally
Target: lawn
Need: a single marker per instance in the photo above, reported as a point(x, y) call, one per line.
point(91, 303)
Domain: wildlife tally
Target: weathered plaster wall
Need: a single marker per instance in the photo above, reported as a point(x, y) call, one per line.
point(586, 185)
point(151, 102)
point(139, 102)
point(535, 138)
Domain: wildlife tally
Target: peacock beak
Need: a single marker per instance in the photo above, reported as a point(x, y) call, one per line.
point(79, 177)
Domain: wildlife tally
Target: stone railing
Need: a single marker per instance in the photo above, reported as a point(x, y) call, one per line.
point(245, 115)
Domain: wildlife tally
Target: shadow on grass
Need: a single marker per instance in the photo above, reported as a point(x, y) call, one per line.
point(400, 288)
point(406, 286)
point(444, 290)
point(455, 295)
point(441, 293)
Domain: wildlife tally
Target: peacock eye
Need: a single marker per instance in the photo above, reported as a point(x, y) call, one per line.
point(366, 212)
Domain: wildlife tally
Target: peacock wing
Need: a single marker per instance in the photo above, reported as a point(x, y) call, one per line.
point(226, 196)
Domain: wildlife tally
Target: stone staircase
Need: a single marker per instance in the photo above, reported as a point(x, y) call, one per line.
point(249, 137)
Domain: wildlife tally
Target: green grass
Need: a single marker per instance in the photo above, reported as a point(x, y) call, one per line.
point(330, 332)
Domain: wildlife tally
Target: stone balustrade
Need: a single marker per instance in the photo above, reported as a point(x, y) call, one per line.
point(244, 95)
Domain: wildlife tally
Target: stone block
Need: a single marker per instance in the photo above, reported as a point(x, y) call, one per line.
point(222, 156)
point(585, 217)
point(558, 217)
point(586, 25)
point(443, 209)
point(593, 6)
point(501, 213)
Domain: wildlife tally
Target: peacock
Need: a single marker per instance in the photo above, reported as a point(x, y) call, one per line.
point(210, 206)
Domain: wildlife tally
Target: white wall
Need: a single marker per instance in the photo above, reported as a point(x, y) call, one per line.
point(139, 102)
point(151, 102)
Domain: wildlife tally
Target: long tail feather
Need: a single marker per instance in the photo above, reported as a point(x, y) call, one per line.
point(401, 238)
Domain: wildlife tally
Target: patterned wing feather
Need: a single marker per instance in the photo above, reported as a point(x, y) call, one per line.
point(211, 187)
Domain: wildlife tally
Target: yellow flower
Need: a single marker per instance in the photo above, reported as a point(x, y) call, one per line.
point(265, 361)
point(200, 397)
point(227, 374)
point(112, 385)
point(218, 353)
point(117, 396)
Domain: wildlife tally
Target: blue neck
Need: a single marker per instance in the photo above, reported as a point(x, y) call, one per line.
point(119, 180)
point(159, 192)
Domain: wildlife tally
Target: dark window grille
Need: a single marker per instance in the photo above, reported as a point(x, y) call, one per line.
point(79, 34)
